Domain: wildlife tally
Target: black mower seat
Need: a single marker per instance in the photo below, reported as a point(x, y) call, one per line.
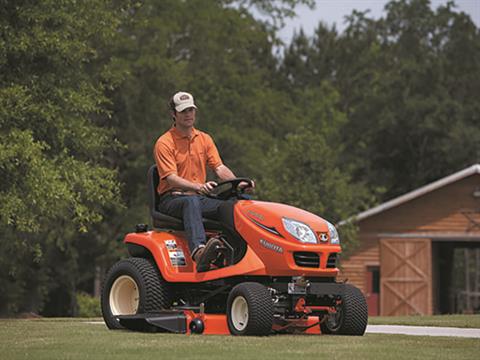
point(162, 221)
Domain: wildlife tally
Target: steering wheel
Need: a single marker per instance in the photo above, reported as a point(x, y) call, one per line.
point(228, 189)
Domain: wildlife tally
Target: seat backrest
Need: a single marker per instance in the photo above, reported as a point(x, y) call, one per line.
point(159, 220)
point(153, 180)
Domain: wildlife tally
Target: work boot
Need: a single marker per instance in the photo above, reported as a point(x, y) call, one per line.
point(209, 254)
point(197, 253)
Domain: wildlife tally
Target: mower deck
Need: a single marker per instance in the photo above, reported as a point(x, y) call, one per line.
point(189, 322)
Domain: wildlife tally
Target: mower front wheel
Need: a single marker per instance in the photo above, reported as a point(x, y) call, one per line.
point(250, 310)
point(133, 286)
point(351, 317)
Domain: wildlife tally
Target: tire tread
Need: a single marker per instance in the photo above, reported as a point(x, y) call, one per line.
point(355, 314)
point(155, 292)
point(260, 308)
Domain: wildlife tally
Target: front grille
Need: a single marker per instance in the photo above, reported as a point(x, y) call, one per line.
point(332, 261)
point(306, 259)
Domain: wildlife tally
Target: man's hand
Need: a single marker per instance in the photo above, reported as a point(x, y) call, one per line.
point(207, 187)
point(246, 186)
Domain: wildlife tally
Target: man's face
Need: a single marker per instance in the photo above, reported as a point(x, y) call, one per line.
point(185, 118)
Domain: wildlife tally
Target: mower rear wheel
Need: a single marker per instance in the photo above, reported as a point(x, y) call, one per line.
point(351, 317)
point(133, 286)
point(250, 310)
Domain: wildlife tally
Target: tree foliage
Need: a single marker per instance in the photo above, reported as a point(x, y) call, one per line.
point(54, 135)
point(408, 85)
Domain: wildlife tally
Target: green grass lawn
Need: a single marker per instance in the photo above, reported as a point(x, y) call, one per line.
point(78, 339)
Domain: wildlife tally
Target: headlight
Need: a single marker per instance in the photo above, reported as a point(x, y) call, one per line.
point(334, 238)
point(300, 231)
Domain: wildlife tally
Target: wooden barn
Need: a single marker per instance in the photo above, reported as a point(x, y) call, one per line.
point(420, 252)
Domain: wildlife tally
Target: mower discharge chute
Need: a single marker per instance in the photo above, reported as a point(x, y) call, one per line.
point(274, 272)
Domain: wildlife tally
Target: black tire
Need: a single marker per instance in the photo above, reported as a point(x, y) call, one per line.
point(250, 310)
point(138, 288)
point(351, 317)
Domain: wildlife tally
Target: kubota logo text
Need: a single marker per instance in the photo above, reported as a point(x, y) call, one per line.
point(271, 246)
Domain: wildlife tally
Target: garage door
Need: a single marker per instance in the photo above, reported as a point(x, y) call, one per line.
point(406, 272)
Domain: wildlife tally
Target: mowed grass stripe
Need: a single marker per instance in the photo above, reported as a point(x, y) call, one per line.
point(54, 339)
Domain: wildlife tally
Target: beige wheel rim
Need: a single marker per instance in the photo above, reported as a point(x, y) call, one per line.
point(124, 296)
point(239, 313)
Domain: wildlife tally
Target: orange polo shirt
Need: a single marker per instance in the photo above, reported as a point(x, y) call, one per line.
point(186, 157)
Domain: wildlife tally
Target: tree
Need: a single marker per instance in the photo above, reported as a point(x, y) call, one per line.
point(54, 137)
point(306, 170)
point(407, 84)
point(410, 118)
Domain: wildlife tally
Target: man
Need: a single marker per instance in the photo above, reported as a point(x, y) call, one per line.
point(181, 155)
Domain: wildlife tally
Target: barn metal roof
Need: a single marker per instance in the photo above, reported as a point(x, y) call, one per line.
point(474, 169)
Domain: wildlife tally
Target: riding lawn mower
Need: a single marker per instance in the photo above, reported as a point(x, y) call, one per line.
point(274, 272)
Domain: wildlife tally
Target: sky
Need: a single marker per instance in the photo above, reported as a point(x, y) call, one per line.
point(334, 11)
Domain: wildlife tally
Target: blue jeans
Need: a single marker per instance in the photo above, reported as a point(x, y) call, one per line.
point(191, 208)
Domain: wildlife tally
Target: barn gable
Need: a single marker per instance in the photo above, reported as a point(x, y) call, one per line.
point(445, 211)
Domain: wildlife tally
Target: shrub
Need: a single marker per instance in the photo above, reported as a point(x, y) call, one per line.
point(88, 306)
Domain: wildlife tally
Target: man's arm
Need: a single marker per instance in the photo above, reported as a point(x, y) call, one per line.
point(224, 173)
point(180, 183)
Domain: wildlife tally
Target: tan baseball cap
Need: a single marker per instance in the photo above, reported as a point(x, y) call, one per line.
point(183, 100)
